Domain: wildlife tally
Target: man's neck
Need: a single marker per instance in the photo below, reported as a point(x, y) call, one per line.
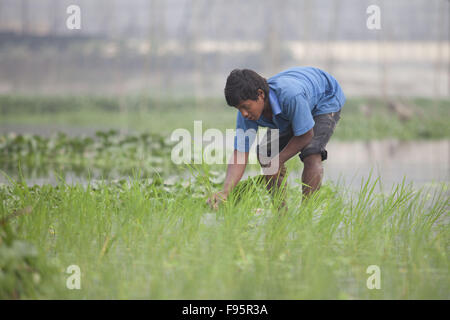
point(267, 112)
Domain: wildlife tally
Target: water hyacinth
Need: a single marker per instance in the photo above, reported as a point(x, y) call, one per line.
point(108, 151)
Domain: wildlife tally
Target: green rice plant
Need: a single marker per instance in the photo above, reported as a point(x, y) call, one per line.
point(23, 272)
point(143, 239)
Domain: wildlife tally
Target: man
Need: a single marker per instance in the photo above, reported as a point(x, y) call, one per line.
point(303, 103)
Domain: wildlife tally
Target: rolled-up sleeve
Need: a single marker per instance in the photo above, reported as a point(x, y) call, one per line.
point(245, 133)
point(299, 114)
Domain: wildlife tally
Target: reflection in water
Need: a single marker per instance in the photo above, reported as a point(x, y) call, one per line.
point(418, 162)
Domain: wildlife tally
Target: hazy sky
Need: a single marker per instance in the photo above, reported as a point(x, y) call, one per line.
point(234, 19)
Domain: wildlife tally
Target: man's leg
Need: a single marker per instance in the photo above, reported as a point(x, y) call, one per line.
point(277, 188)
point(312, 174)
point(273, 183)
point(278, 185)
point(314, 153)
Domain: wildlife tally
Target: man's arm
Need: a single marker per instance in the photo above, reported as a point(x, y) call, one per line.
point(235, 171)
point(294, 146)
point(298, 112)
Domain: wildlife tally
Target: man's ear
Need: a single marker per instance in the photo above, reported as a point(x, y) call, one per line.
point(261, 93)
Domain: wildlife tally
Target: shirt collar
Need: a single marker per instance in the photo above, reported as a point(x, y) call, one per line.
point(274, 102)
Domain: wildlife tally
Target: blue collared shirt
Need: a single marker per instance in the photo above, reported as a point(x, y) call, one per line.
point(296, 95)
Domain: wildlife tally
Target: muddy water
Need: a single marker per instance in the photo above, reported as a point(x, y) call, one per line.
point(418, 162)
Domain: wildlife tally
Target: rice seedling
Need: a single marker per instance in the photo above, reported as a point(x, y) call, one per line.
point(144, 239)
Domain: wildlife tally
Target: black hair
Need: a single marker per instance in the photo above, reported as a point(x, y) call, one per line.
point(243, 84)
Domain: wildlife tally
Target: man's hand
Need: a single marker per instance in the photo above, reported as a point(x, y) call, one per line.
point(272, 168)
point(216, 199)
point(272, 171)
point(236, 168)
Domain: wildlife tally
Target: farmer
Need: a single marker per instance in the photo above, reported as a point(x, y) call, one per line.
point(303, 103)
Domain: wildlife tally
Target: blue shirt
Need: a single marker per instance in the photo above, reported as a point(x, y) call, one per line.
point(296, 95)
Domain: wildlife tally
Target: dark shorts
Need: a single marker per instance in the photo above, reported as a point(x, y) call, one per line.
point(323, 129)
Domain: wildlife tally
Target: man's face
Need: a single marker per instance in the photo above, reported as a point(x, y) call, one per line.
point(252, 109)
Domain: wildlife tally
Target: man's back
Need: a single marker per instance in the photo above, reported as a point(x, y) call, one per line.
point(318, 87)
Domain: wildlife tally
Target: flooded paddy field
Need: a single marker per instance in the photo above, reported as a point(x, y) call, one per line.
point(417, 162)
point(94, 206)
point(138, 226)
point(98, 189)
